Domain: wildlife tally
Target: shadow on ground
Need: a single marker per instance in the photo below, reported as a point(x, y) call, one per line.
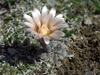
point(24, 52)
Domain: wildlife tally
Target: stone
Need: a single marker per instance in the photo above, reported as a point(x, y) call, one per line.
point(73, 37)
point(1, 39)
point(3, 50)
point(2, 2)
point(12, 51)
point(29, 57)
point(59, 64)
point(2, 11)
point(88, 21)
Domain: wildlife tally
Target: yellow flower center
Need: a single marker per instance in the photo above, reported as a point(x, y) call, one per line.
point(44, 30)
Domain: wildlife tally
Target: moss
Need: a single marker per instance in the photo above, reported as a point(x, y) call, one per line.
point(9, 17)
point(19, 30)
point(76, 2)
point(43, 66)
point(28, 65)
point(44, 1)
point(26, 33)
point(71, 15)
point(24, 1)
point(5, 36)
point(68, 33)
point(79, 20)
point(3, 27)
point(67, 19)
point(16, 35)
point(13, 14)
point(7, 41)
point(61, 1)
point(96, 4)
point(12, 2)
point(16, 23)
point(8, 33)
point(19, 41)
point(91, 15)
point(23, 68)
point(11, 38)
point(19, 11)
point(21, 38)
point(73, 11)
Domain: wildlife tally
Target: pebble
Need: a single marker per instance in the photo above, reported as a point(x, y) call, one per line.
point(2, 11)
point(59, 64)
point(12, 51)
point(73, 36)
point(88, 21)
point(3, 50)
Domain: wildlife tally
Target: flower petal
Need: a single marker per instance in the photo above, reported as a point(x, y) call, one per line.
point(30, 19)
point(58, 26)
point(51, 15)
point(46, 39)
point(36, 18)
point(53, 35)
point(53, 12)
point(46, 20)
point(59, 33)
point(59, 21)
point(37, 12)
point(44, 13)
point(57, 18)
point(29, 24)
point(32, 31)
point(41, 35)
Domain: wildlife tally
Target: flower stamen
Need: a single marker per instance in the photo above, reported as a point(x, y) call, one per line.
point(45, 30)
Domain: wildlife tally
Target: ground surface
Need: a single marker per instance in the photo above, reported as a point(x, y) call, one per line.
point(86, 47)
point(21, 58)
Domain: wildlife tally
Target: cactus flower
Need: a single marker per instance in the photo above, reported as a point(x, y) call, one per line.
point(45, 25)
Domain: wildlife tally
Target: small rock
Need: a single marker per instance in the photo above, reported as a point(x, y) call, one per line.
point(29, 57)
point(2, 11)
point(48, 65)
point(81, 38)
point(59, 64)
point(96, 32)
point(1, 23)
point(3, 50)
point(70, 56)
point(1, 39)
point(90, 73)
point(73, 37)
point(11, 51)
point(64, 52)
point(1, 33)
point(2, 2)
point(88, 21)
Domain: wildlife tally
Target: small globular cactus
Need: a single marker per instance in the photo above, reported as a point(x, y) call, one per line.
point(45, 26)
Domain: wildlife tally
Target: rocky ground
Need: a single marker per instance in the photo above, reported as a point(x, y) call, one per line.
point(21, 54)
point(86, 46)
